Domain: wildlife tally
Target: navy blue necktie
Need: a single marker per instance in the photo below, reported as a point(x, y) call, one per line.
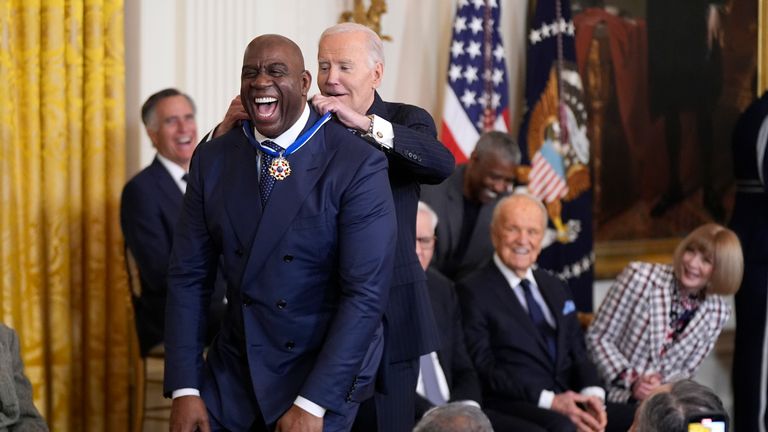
point(266, 181)
point(537, 316)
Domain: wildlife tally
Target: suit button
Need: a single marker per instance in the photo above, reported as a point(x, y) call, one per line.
point(288, 258)
point(239, 252)
point(247, 301)
point(290, 345)
point(281, 304)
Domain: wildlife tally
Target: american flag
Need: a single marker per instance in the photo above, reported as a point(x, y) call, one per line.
point(547, 178)
point(476, 97)
point(554, 143)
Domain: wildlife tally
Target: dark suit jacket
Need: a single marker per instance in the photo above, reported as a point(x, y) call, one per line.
point(149, 208)
point(17, 409)
point(417, 158)
point(508, 352)
point(454, 360)
point(308, 277)
point(447, 200)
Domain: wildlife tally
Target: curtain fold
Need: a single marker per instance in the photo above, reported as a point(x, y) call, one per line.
point(62, 168)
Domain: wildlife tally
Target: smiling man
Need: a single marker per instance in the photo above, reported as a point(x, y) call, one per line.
point(293, 203)
point(151, 203)
point(464, 203)
point(523, 336)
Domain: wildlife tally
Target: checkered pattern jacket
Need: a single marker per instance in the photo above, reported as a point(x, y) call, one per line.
point(626, 338)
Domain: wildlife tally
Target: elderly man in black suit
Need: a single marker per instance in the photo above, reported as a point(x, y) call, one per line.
point(448, 375)
point(523, 336)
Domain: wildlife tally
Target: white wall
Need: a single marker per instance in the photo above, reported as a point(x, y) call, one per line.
point(197, 45)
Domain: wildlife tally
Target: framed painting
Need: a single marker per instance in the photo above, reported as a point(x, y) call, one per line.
point(664, 84)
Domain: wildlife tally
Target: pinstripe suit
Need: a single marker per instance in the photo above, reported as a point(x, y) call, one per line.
point(417, 157)
point(630, 328)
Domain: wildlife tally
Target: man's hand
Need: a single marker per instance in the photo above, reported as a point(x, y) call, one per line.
point(235, 114)
point(188, 414)
point(298, 420)
point(590, 419)
point(644, 385)
point(346, 115)
point(595, 407)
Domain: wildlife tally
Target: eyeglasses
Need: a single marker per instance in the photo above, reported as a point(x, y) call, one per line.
point(426, 242)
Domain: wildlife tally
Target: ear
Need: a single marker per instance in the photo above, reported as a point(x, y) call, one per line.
point(378, 74)
point(152, 134)
point(306, 82)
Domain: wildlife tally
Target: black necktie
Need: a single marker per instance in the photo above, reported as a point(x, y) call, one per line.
point(185, 177)
point(266, 181)
point(537, 316)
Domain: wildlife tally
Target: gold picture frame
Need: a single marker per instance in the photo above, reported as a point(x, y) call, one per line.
point(613, 253)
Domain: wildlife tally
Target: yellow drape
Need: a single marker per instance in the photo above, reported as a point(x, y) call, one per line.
point(62, 158)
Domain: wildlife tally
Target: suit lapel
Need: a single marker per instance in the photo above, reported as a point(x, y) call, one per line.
point(287, 197)
point(243, 201)
point(166, 185)
point(697, 328)
point(511, 303)
point(661, 304)
point(456, 207)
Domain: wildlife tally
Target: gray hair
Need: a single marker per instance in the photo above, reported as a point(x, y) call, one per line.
point(669, 411)
point(150, 105)
point(375, 46)
point(497, 144)
point(424, 207)
point(454, 417)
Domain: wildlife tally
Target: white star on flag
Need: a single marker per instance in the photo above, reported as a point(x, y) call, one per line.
point(477, 67)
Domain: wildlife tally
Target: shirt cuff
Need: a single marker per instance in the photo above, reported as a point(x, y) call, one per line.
point(545, 399)
point(185, 392)
point(309, 406)
point(382, 132)
point(594, 391)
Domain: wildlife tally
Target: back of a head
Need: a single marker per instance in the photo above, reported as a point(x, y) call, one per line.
point(454, 417)
point(670, 411)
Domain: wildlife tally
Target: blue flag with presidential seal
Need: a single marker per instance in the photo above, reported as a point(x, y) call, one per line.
point(555, 148)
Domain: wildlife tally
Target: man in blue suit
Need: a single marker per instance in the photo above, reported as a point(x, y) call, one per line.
point(303, 215)
point(150, 206)
point(351, 67)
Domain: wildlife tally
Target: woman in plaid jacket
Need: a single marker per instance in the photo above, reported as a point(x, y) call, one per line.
point(658, 322)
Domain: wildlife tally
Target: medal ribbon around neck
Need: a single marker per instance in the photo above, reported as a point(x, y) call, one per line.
point(280, 169)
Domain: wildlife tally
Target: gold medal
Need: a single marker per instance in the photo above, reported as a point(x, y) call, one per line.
point(279, 169)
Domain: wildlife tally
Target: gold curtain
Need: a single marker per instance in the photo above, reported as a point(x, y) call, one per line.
point(62, 158)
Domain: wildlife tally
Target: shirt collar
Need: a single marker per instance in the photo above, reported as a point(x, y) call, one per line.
point(512, 278)
point(285, 139)
point(175, 170)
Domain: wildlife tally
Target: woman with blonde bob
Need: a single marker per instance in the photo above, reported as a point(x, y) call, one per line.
point(659, 321)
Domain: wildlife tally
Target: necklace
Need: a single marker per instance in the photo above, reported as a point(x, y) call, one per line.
point(280, 168)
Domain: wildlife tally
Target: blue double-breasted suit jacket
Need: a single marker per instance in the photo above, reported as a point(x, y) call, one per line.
point(308, 276)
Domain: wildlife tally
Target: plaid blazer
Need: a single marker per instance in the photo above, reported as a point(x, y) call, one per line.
point(629, 330)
